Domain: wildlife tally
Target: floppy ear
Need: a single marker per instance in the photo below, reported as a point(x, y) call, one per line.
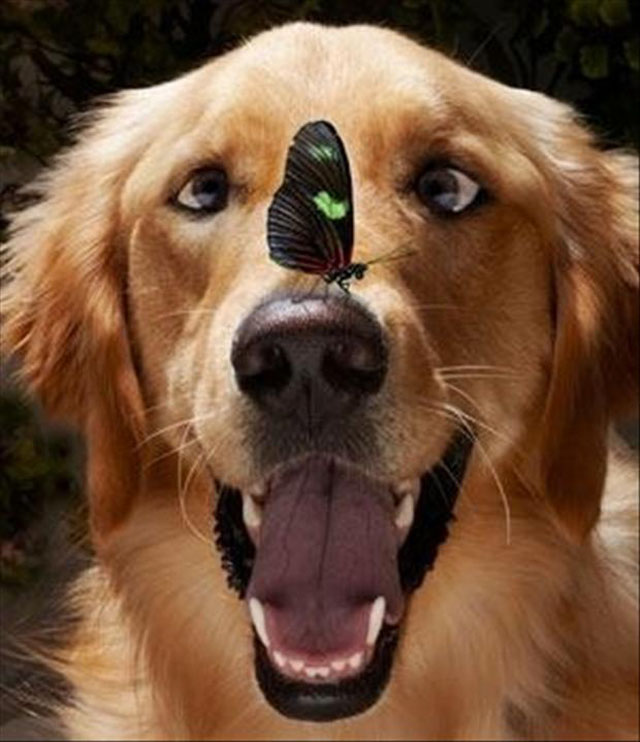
point(595, 366)
point(63, 303)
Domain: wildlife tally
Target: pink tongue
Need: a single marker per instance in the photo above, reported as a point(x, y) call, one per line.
point(327, 549)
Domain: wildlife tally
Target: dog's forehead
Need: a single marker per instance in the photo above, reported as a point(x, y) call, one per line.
point(367, 81)
point(371, 83)
point(316, 59)
point(348, 75)
point(392, 101)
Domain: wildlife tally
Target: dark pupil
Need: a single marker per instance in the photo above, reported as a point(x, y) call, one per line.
point(440, 187)
point(210, 190)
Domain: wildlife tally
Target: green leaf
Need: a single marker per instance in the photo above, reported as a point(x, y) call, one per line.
point(7, 153)
point(632, 53)
point(119, 14)
point(566, 44)
point(541, 23)
point(584, 12)
point(405, 16)
point(614, 12)
point(104, 46)
point(594, 61)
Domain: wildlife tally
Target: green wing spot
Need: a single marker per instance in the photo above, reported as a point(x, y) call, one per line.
point(323, 152)
point(331, 207)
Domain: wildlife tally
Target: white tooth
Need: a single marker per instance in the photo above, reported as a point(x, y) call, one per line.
point(257, 490)
point(404, 512)
point(257, 616)
point(376, 618)
point(297, 665)
point(279, 658)
point(355, 660)
point(320, 671)
point(339, 665)
point(407, 487)
point(251, 512)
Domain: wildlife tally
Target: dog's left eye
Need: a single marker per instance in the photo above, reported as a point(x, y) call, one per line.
point(206, 191)
point(447, 190)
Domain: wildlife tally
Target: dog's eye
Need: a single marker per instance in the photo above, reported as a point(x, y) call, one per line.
point(446, 190)
point(206, 191)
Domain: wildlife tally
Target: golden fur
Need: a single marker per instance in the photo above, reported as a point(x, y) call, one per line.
point(523, 317)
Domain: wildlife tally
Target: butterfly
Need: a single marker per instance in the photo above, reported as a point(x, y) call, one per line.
point(310, 220)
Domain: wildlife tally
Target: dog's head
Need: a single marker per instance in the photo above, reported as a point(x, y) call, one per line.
point(334, 433)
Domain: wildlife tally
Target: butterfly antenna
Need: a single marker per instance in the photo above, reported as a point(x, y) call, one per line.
point(397, 254)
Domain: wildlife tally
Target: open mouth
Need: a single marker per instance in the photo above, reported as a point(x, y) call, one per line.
point(326, 558)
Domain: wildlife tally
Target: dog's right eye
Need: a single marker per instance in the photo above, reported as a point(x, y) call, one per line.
point(205, 192)
point(446, 190)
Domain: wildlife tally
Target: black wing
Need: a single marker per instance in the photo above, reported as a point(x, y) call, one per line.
point(310, 220)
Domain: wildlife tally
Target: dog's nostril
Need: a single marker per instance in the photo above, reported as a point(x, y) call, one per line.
point(356, 355)
point(310, 360)
point(355, 365)
point(261, 367)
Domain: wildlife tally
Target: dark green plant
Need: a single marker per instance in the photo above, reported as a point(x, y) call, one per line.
point(35, 467)
point(56, 55)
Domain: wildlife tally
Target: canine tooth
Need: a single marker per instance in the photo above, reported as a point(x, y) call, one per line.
point(355, 660)
point(407, 487)
point(251, 512)
point(376, 617)
point(257, 490)
point(279, 658)
point(297, 665)
point(257, 616)
point(339, 665)
point(404, 512)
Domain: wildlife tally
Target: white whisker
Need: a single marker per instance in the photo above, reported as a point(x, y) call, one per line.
point(475, 420)
point(183, 492)
point(472, 367)
point(492, 469)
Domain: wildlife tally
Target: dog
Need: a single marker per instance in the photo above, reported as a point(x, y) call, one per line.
point(386, 509)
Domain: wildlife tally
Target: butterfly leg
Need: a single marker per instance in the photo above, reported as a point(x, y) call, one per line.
point(308, 294)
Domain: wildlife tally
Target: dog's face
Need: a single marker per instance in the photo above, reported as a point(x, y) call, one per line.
point(334, 433)
point(419, 140)
point(279, 388)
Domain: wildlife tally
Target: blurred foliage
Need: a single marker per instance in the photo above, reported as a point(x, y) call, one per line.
point(57, 55)
point(35, 467)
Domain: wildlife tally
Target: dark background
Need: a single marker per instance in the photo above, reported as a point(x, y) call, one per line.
point(58, 55)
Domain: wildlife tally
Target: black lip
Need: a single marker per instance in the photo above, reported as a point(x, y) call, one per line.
point(439, 490)
point(328, 701)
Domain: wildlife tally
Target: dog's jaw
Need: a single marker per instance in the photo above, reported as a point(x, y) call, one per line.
point(316, 677)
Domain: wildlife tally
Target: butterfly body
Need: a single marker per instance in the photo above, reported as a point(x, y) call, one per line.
point(310, 220)
point(342, 276)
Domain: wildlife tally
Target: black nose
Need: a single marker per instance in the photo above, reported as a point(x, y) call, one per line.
point(315, 358)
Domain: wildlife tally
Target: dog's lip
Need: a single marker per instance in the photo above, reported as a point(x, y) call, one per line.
point(327, 699)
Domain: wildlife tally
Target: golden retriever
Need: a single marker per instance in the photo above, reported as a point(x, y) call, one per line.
point(408, 481)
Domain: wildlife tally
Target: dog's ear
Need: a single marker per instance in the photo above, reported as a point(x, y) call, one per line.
point(594, 200)
point(63, 308)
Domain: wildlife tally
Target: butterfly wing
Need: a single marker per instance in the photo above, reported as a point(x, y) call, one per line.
point(310, 220)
